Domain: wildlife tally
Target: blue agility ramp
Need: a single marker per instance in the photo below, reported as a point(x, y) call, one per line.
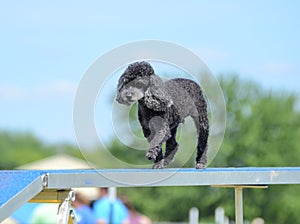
point(19, 187)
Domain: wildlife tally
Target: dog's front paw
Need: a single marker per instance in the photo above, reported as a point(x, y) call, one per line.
point(200, 165)
point(152, 153)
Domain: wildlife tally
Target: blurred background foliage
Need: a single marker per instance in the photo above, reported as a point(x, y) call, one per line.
point(263, 129)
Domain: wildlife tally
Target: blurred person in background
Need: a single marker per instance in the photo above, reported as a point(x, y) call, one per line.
point(134, 216)
point(109, 210)
point(83, 212)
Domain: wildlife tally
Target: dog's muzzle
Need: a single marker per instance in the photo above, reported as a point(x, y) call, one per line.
point(124, 97)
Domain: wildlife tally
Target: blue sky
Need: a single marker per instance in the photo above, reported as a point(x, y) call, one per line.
point(46, 47)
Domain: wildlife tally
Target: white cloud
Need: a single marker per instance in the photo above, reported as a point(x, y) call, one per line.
point(213, 55)
point(272, 68)
point(274, 74)
point(12, 93)
point(58, 88)
point(61, 88)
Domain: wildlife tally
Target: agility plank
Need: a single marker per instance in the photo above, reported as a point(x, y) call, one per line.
point(19, 187)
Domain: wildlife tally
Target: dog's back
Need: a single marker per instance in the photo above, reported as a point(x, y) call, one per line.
point(187, 96)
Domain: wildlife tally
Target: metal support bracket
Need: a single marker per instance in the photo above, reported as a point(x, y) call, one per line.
point(65, 197)
point(65, 211)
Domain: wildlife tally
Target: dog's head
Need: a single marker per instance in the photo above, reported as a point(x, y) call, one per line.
point(139, 81)
point(132, 91)
point(134, 82)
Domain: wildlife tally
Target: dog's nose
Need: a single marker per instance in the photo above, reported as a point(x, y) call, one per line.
point(129, 96)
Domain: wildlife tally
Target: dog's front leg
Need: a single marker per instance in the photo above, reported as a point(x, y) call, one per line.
point(159, 133)
point(155, 152)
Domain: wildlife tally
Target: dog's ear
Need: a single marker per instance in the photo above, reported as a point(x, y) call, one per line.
point(156, 96)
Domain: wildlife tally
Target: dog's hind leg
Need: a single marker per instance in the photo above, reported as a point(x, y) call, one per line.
point(171, 147)
point(202, 126)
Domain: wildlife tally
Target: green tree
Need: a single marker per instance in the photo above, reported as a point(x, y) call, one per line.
point(263, 129)
point(19, 148)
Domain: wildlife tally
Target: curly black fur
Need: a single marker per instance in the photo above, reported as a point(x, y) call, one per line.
point(162, 106)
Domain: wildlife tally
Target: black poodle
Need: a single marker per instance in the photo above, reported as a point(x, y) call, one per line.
point(162, 106)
